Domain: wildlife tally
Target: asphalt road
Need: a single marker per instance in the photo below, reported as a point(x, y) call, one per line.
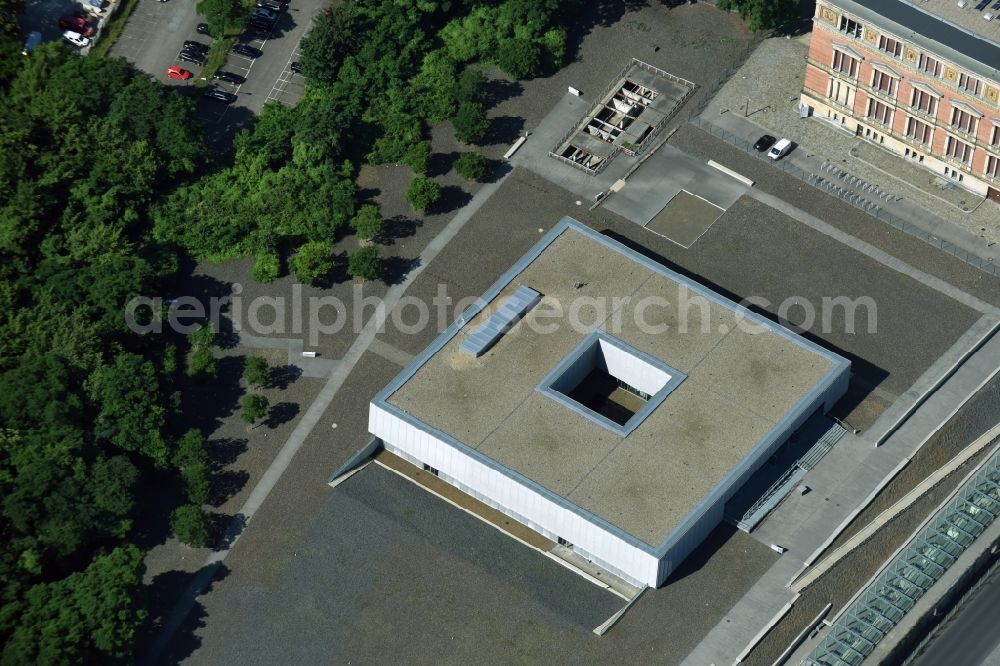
point(971, 638)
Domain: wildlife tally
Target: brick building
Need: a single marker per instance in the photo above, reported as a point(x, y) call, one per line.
point(919, 81)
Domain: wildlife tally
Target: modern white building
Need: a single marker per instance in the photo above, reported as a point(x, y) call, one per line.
point(619, 428)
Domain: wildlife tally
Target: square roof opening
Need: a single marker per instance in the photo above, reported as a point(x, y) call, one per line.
point(610, 382)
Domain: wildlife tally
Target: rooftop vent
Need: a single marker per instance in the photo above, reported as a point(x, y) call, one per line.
point(501, 321)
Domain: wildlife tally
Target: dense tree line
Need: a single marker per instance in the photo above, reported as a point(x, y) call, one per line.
point(105, 187)
point(380, 73)
point(87, 408)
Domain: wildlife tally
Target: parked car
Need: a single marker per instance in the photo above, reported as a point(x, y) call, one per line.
point(264, 13)
point(175, 72)
point(229, 77)
point(217, 95)
point(203, 29)
point(272, 5)
point(261, 24)
point(199, 46)
point(191, 56)
point(780, 149)
point(296, 67)
point(247, 51)
point(763, 143)
point(77, 25)
point(76, 39)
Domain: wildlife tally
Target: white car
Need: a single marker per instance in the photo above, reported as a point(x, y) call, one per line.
point(76, 39)
point(780, 149)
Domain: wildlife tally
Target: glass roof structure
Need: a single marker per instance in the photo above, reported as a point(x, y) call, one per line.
point(913, 571)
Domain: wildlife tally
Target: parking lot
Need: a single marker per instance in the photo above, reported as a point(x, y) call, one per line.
point(156, 31)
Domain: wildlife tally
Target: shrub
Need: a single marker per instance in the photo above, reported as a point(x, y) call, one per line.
point(202, 364)
point(472, 166)
point(255, 371)
point(418, 156)
point(471, 86)
point(470, 122)
point(422, 193)
point(367, 223)
point(190, 525)
point(364, 263)
point(266, 268)
point(312, 262)
point(254, 407)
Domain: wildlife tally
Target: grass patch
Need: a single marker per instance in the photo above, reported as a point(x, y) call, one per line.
point(114, 29)
point(216, 59)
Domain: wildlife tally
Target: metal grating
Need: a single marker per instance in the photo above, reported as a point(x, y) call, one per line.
point(908, 577)
point(501, 321)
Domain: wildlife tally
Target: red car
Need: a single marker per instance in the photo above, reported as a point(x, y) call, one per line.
point(176, 72)
point(76, 24)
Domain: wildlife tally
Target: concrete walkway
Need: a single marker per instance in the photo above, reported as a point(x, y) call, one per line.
point(312, 416)
point(749, 131)
point(843, 481)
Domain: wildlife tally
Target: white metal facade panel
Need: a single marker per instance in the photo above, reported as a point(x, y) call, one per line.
point(633, 371)
point(514, 498)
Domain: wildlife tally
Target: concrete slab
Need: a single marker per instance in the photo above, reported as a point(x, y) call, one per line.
point(685, 218)
point(662, 176)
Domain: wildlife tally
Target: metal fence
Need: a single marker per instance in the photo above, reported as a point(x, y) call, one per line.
point(867, 205)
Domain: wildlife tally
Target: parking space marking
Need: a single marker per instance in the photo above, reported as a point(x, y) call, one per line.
point(286, 75)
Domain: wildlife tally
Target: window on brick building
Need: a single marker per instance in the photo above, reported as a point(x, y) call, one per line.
point(850, 27)
point(970, 84)
point(924, 101)
point(995, 134)
point(839, 91)
point(929, 65)
point(891, 46)
point(918, 131)
point(845, 64)
point(879, 112)
point(959, 150)
point(884, 83)
point(993, 166)
point(963, 120)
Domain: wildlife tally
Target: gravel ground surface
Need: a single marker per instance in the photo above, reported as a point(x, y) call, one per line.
point(841, 215)
point(772, 80)
point(840, 583)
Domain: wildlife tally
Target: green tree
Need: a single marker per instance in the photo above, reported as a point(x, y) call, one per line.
point(422, 193)
point(470, 122)
point(520, 58)
point(762, 14)
point(202, 363)
point(418, 156)
point(190, 525)
point(255, 407)
point(472, 166)
point(224, 15)
point(364, 263)
point(266, 267)
point(471, 86)
point(312, 262)
point(191, 459)
point(131, 410)
point(90, 616)
point(332, 37)
point(255, 371)
point(367, 223)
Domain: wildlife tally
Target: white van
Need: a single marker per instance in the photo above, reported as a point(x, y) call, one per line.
point(779, 149)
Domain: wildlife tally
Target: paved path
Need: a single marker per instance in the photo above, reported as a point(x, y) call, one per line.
point(749, 131)
point(311, 418)
point(839, 484)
